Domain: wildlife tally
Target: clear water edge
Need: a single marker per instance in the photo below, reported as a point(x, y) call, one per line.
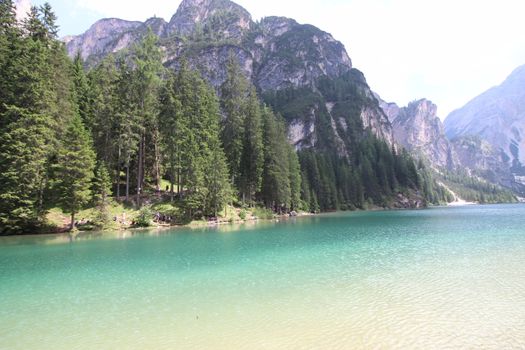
point(438, 278)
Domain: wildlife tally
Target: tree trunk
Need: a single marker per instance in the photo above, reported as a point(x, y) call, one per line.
point(157, 161)
point(171, 185)
point(72, 225)
point(117, 177)
point(127, 182)
point(178, 175)
point(139, 170)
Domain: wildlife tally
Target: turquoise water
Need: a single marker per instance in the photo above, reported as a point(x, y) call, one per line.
point(437, 278)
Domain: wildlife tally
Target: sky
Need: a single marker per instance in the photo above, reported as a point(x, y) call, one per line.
point(447, 51)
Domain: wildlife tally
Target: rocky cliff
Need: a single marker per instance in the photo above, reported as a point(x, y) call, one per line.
point(498, 117)
point(294, 66)
point(418, 129)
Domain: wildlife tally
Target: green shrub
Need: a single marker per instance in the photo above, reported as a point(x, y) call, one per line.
point(144, 218)
point(263, 213)
point(242, 214)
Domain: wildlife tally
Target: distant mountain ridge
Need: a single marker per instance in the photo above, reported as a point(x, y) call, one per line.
point(497, 116)
point(486, 138)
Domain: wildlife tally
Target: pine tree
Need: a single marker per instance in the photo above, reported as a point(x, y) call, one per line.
point(24, 154)
point(103, 90)
point(276, 191)
point(252, 157)
point(101, 192)
point(147, 68)
point(126, 123)
point(171, 126)
point(234, 93)
point(82, 93)
point(295, 179)
point(10, 47)
point(101, 187)
point(74, 169)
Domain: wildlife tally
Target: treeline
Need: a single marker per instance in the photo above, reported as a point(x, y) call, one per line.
point(372, 176)
point(46, 152)
point(133, 124)
point(473, 189)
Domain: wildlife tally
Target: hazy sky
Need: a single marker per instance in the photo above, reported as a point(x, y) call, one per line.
point(448, 51)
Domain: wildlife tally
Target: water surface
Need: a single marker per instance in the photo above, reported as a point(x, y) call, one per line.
point(437, 278)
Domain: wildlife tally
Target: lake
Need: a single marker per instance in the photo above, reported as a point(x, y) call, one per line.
point(428, 279)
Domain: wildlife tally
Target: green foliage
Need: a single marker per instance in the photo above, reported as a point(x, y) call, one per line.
point(24, 156)
point(73, 170)
point(133, 119)
point(101, 187)
point(233, 103)
point(242, 214)
point(474, 189)
point(190, 136)
point(276, 192)
point(263, 213)
point(144, 218)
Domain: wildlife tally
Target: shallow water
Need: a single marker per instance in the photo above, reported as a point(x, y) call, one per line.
point(437, 278)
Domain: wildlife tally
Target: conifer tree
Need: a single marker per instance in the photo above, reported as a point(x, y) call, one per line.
point(24, 154)
point(103, 89)
point(295, 179)
point(234, 93)
point(252, 156)
point(126, 123)
point(101, 187)
point(276, 191)
point(171, 128)
point(101, 192)
point(10, 47)
point(82, 93)
point(147, 68)
point(74, 169)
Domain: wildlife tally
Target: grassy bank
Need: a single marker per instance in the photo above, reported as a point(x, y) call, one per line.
point(120, 216)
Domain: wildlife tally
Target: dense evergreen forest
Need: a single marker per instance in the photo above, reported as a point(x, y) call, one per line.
point(131, 130)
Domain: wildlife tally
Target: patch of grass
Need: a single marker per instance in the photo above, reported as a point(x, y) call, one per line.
point(263, 213)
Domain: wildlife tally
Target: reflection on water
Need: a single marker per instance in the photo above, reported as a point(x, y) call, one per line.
point(439, 278)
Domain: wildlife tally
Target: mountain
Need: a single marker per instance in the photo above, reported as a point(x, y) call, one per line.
point(418, 129)
point(296, 67)
point(498, 117)
point(468, 165)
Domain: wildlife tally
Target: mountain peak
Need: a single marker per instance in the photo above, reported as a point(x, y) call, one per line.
point(497, 116)
point(423, 108)
point(192, 13)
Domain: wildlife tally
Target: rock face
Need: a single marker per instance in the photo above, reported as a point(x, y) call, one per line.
point(418, 129)
point(498, 117)
point(284, 60)
point(484, 161)
point(104, 37)
point(192, 14)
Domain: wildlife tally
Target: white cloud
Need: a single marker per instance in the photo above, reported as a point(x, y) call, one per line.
point(131, 10)
point(446, 50)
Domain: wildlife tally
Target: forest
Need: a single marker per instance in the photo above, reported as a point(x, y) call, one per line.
point(130, 130)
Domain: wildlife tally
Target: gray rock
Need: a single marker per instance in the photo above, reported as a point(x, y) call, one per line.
point(418, 129)
point(498, 117)
point(276, 54)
